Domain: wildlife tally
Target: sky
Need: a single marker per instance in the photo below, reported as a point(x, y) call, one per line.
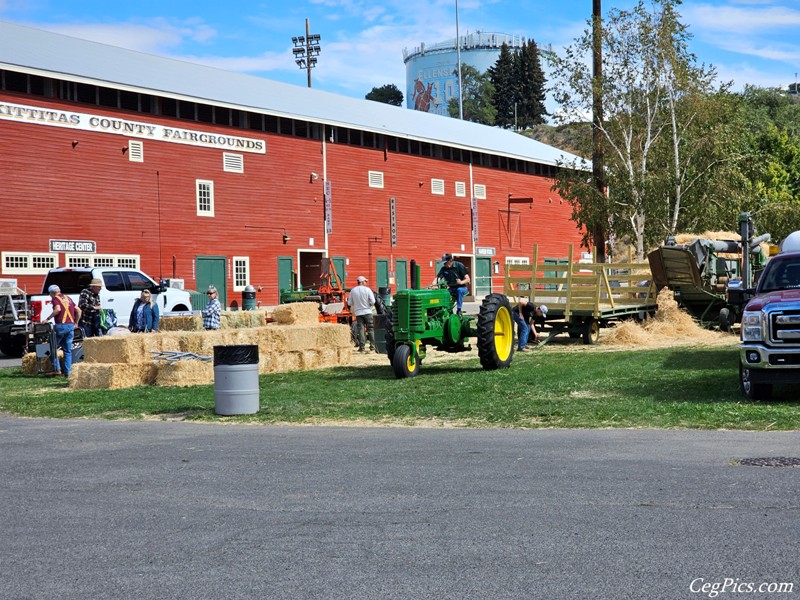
point(362, 42)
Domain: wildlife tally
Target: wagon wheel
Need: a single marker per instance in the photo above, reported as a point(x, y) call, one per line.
point(751, 390)
point(495, 332)
point(591, 331)
point(403, 363)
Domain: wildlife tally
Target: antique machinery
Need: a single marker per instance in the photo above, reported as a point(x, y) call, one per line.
point(424, 317)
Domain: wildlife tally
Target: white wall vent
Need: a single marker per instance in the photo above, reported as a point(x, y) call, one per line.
point(480, 191)
point(376, 179)
point(437, 187)
point(232, 163)
point(135, 151)
point(461, 189)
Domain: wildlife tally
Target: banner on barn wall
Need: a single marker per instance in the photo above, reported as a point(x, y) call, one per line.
point(393, 220)
point(134, 129)
point(328, 208)
point(474, 219)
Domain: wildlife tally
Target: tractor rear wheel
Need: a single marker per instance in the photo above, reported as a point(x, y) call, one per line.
point(389, 336)
point(402, 362)
point(724, 319)
point(495, 332)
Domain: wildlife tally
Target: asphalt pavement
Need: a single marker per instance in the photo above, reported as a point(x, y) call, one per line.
point(154, 510)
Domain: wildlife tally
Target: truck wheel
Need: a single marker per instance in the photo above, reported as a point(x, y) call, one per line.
point(14, 346)
point(590, 331)
point(401, 363)
point(724, 319)
point(495, 332)
point(751, 390)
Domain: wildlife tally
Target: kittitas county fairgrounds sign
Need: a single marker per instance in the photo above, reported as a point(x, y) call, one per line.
point(134, 129)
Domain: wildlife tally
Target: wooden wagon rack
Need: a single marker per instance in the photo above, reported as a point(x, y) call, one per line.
point(582, 298)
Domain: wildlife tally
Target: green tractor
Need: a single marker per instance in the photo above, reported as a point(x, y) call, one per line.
point(422, 317)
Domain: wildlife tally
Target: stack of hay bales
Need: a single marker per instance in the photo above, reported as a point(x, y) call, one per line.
point(228, 319)
point(297, 340)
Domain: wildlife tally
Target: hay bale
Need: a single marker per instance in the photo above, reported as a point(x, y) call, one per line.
point(296, 338)
point(181, 323)
point(296, 313)
point(110, 376)
point(184, 373)
point(229, 319)
point(34, 366)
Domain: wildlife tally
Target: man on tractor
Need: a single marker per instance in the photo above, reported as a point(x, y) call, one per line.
point(457, 278)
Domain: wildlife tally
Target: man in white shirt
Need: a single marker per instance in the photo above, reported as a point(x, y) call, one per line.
point(361, 300)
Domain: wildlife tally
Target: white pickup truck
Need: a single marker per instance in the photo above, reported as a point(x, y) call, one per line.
point(120, 289)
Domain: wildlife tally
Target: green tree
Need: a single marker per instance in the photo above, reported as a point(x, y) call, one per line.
point(666, 143)
point(530, 86)
point(388, 94)
point(503, 77)
point(477, 90)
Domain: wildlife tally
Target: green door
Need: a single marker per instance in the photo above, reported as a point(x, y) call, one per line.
point(483, 277)
point(285, 274)
point(401, 274)
point(382, 272)
point(339, 263)
point(211, 271)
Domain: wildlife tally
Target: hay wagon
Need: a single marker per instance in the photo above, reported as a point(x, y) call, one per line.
point(582, 298)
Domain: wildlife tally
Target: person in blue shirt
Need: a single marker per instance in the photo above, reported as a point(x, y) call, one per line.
point(144, 316)
point(457, 278)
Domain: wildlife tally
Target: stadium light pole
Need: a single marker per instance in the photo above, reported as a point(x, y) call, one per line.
point(306, 50)
point(458, 67)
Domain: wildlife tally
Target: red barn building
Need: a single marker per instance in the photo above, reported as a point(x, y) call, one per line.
point(116, 158)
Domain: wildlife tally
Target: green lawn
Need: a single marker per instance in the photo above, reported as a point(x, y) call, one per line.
point(689, 387)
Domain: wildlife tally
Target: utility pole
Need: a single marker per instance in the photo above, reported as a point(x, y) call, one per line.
point(458, 59)
point(598, 159)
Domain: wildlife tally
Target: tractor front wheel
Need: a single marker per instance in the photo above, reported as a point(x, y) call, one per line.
point(403, 363)
point(495, 332)
point(388, 335)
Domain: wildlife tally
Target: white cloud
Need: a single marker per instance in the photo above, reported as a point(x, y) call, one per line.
point(740, 20)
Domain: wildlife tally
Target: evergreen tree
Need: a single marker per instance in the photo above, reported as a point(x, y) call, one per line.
point(503, 78)
point(530, 86)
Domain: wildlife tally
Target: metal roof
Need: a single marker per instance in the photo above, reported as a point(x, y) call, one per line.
point(55, 55)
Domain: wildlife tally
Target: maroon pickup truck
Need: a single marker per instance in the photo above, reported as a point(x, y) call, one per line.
point(770, 349)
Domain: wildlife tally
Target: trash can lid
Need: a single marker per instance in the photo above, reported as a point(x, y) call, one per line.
point(236, 355)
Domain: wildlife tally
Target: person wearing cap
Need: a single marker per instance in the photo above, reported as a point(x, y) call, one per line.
point(89, 303)
point(65, 317)
point(211, 313)
point(526, 315)
point(361, 300)
point(457, 278)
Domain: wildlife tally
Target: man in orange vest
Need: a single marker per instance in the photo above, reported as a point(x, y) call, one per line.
point(65, 318)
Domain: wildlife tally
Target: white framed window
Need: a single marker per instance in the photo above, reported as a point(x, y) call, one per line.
point(437, 187)
point(135, 150)
point(232, 163)
point(205, 198)
point(28, 263)
point(127, 261)
point(375, 179)
point(479, 191)
point(241, 272)
point(461, 189)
